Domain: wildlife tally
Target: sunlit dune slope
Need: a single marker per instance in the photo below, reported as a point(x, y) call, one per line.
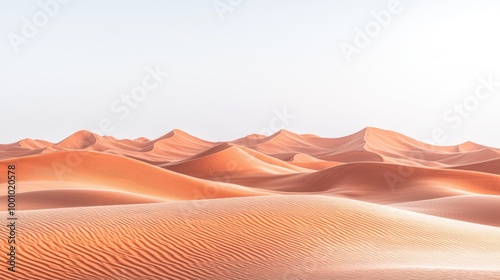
point(93, 170)
point(227, 160)
point(66, 198)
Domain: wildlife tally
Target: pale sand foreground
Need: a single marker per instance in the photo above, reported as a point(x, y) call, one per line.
point(372, 205)
point(272, 237)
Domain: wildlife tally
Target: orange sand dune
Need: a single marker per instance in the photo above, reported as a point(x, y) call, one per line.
point(479, 209)
point(84, 169)
point(227, 160)
point(26, 147)
point(471, 146)
point(16, 152)
point(27, 144)
point(369, 144)
point(310, 162)
point(79, 140)
point(354, 156)
point(273, 237)
point(379, 182)
point(280, 142)
point(65, 198)
point(470, 157)
point(178, 145)
point(34, 144)
point(488, 166)
point(174, 145)
point(353, 142)
point(371, 205)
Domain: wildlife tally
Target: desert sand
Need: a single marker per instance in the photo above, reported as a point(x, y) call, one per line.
point(372, 205)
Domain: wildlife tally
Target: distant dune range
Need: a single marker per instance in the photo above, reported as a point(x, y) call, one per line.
point(372, 205)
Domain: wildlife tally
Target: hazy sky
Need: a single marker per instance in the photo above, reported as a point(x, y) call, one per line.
point(234, 66)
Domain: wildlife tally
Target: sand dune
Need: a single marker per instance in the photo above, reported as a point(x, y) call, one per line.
point(177, 145)
point(375, 204)
point(369, 144)
point(67, 198)
point(79, 140)
point(376, 182)
point(285, 237)
point(488, 166)
point(479, 209)
point(281, 141)
point(34, 144)
point(310, 162)
point(93, 170)
point(225, 160)
point(354, 156)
